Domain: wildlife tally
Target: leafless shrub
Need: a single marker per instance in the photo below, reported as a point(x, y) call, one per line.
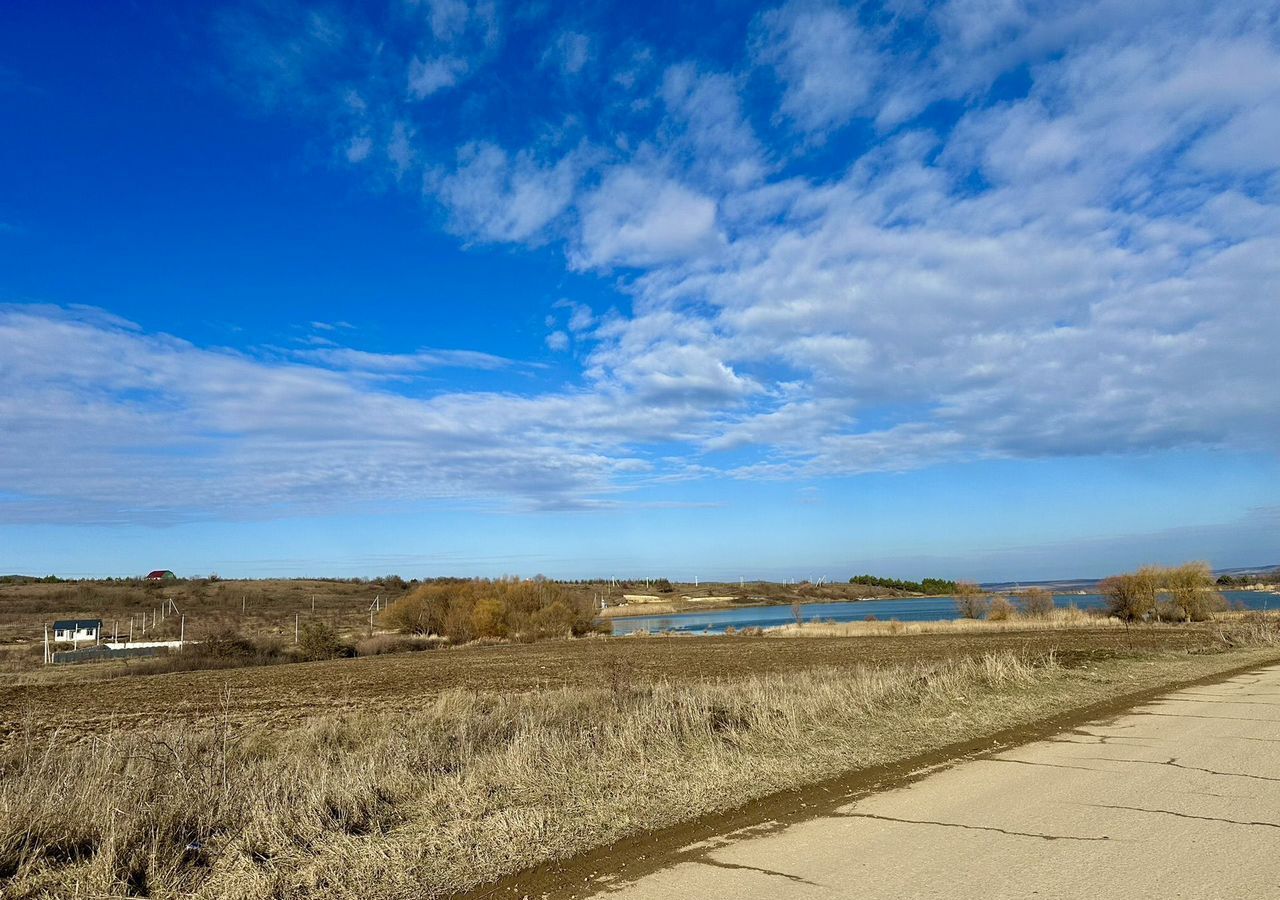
point(971, 602)
point(1000, 609)
point(1036, 603)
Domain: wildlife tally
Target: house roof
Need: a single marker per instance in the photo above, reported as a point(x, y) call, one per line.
point(76, 624)
point(159, 573)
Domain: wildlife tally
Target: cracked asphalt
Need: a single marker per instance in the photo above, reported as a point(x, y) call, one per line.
point(1179, 797)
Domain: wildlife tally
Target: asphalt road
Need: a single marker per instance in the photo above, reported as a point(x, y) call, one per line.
point(1177, 798)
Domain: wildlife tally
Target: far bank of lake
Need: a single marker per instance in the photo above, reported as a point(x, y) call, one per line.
point(916, 609)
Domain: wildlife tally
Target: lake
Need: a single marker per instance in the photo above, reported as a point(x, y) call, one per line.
point(928, 609)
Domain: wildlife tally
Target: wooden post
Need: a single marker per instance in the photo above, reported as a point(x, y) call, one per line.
point(295, 628)
point(182, 632)
point(46, 644)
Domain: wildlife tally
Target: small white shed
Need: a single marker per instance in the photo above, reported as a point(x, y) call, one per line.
point(76, 631)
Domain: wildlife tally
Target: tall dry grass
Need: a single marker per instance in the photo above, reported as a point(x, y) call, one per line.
point(1064, 618)
point(477, 785)
point(471, 787)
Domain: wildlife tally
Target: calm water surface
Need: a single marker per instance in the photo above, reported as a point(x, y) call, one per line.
point(924, 610)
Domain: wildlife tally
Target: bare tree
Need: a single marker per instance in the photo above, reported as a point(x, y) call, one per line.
point(1192, 592)
point(971, 602)
point(1036, 603)
point(1131, 596)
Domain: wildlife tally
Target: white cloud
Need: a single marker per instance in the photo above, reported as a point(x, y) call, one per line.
point(106, 423)
point(361, 361)
point(1079, 257)
point(502, 198)
point(448, 18)
point(581, 319)
point(569, 52)
point(827, 64)
point(715, 140)
point(359, 148)
point(558, 341)
point(400, 147)
point(637, 218)
point(427, 76)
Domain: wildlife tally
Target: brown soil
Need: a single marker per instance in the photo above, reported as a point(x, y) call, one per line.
point(93, 698)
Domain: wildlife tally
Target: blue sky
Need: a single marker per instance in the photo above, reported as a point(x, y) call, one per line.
point(981, 288)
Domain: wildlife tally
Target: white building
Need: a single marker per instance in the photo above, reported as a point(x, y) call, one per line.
point(77, 631)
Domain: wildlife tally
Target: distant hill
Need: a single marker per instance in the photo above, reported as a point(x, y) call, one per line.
point(1068, 585)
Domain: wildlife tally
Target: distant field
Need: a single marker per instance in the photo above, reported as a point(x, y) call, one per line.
point(268, 606)
point(256, 607)
point(283, 696)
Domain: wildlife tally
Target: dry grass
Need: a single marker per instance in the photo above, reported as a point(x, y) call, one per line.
point(257, 607)
point(380, 644)
point(1248, 629)
point(1069, 617)
point(473, 785)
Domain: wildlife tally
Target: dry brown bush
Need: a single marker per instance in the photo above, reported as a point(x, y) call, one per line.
point(1036, 603)
point(1131, 596)
point(971, 602)
point(1000, 610)
point(521, 609)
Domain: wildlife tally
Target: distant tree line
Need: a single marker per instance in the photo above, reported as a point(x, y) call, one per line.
point(1272, 577)
point(925, 586)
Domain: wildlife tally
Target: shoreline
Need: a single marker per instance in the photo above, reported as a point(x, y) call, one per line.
point(641, 610)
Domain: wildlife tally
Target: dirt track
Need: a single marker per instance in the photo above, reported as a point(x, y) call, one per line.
point(285, 695)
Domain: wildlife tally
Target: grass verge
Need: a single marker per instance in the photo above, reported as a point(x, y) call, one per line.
point(477, 785)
